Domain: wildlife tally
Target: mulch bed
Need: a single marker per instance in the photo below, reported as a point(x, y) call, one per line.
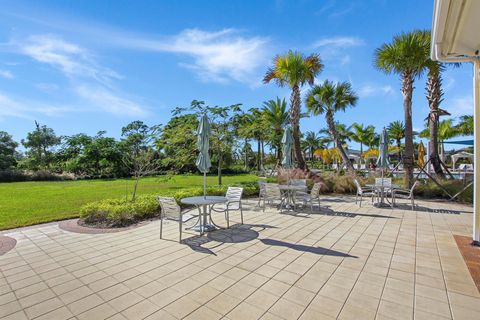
point(6, 244)
point(471, 255)
point(74, 226)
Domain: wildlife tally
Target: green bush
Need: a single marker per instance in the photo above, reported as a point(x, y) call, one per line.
point(119, 212)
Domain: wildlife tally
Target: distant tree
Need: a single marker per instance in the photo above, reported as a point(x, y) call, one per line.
point(327, 99)
point(407, 56)
point(276, 116)
point(446, 130)
point(39, 144)
point(295, 70)
point(396, 131)
point(465, 126)
point(139, 155)
point(362, 134)
point(177, 143)
point(8, 153)
point(311, 142)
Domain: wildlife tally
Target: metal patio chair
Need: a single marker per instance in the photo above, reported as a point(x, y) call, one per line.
point(405, 194)
point(234, 203)
point(170, 210)
point(363, 191)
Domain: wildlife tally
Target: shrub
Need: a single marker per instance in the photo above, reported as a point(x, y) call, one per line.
point(118, 212)
point(40, 175)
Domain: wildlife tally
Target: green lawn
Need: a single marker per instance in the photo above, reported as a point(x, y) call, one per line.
point(26, 203)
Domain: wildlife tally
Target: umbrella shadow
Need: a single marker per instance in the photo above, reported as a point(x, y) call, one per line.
point(237, 233)
point(304, 248)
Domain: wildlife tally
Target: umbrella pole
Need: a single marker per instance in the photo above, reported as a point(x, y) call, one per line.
point(204, 185)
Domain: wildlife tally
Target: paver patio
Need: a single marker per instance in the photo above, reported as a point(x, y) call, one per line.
point(346, 263)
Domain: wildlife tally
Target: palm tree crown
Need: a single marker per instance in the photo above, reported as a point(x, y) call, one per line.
point(327, 99)
point(295, 70)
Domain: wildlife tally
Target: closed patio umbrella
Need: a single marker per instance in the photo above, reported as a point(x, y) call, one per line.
point(382, 161)
point(421, 155)
point(203, 143)
point(287, 141)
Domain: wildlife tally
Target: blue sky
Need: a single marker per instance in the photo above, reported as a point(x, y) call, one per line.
point(85, 66)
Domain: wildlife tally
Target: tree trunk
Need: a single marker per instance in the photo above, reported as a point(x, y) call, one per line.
point(258, 156)
point(137, 178)
point(262, 158)
point(219, 169)
point(338, 144)
point(295, 121)
point(399, 146)
point(246, 154)
point(279, 146)
point(407, 91)
point(434, 98)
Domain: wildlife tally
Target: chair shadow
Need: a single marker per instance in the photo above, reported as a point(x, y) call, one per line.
point(408, 207)
point(304, 248)
point(326, 210)
point(237, 233)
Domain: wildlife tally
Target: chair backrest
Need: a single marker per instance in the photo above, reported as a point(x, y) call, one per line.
point(414, 186)
point(272, 191)
point(234, 194)
point(298, 182)
point(315, 192)
point(357, 184)
point(383, 181)
point(170, 207)
point(261, 187)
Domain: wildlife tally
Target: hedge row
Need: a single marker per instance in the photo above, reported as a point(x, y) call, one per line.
point(118, 212)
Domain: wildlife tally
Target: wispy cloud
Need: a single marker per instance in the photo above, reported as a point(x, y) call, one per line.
point(459, 106)
point(217, 56)
point(89, 80)
point(370, 90)
point(109, 101)
point(69, 58)
point(22, 108)
point(6, 74)
point(339, 42)
point(336, 48)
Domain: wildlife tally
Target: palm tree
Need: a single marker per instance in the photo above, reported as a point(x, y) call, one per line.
point(276, 115)
point(295, 70)
point(446, 130)
point(311, 142)
point(362, 134)
point(327, 99)
point(396, 131)
point(465, 126)
point(407, 56)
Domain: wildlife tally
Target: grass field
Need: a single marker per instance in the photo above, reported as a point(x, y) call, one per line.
point(27, 203)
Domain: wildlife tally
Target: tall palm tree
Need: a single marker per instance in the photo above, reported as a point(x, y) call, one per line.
point(327, 99)
point(396, 131)
point(295, 70)
point(362, 134)
point(465, 126)
point(406, 56)
point(276, 115)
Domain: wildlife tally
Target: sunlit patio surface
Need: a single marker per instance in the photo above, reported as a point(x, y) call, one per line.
point(345, 262)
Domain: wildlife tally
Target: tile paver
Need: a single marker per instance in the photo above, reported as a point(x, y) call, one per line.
point(344, 263)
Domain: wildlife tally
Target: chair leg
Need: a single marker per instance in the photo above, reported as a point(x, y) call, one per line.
point(180, 229)
point(361, 197)
point(161, 227)
point(241, 214)
point(227, 214)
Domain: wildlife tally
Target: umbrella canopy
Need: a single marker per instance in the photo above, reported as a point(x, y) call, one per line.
point(382, 161)
point(203, 144)
point(421, 155)
point(287, 141)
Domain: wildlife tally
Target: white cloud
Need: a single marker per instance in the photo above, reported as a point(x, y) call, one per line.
point(69, 58)
point(21, 108)
point(89, 80)
point(47, 87)
point(339, 42)
point(109, 101)
point(217, 56)
point(459, 106)
point(369, 90)
point(6, 74)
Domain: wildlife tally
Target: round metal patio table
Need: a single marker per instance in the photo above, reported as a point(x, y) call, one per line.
point(289, 190)
point(381, 189)
point(205, 222)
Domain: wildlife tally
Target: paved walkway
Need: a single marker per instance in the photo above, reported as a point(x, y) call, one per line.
point(346, 263)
